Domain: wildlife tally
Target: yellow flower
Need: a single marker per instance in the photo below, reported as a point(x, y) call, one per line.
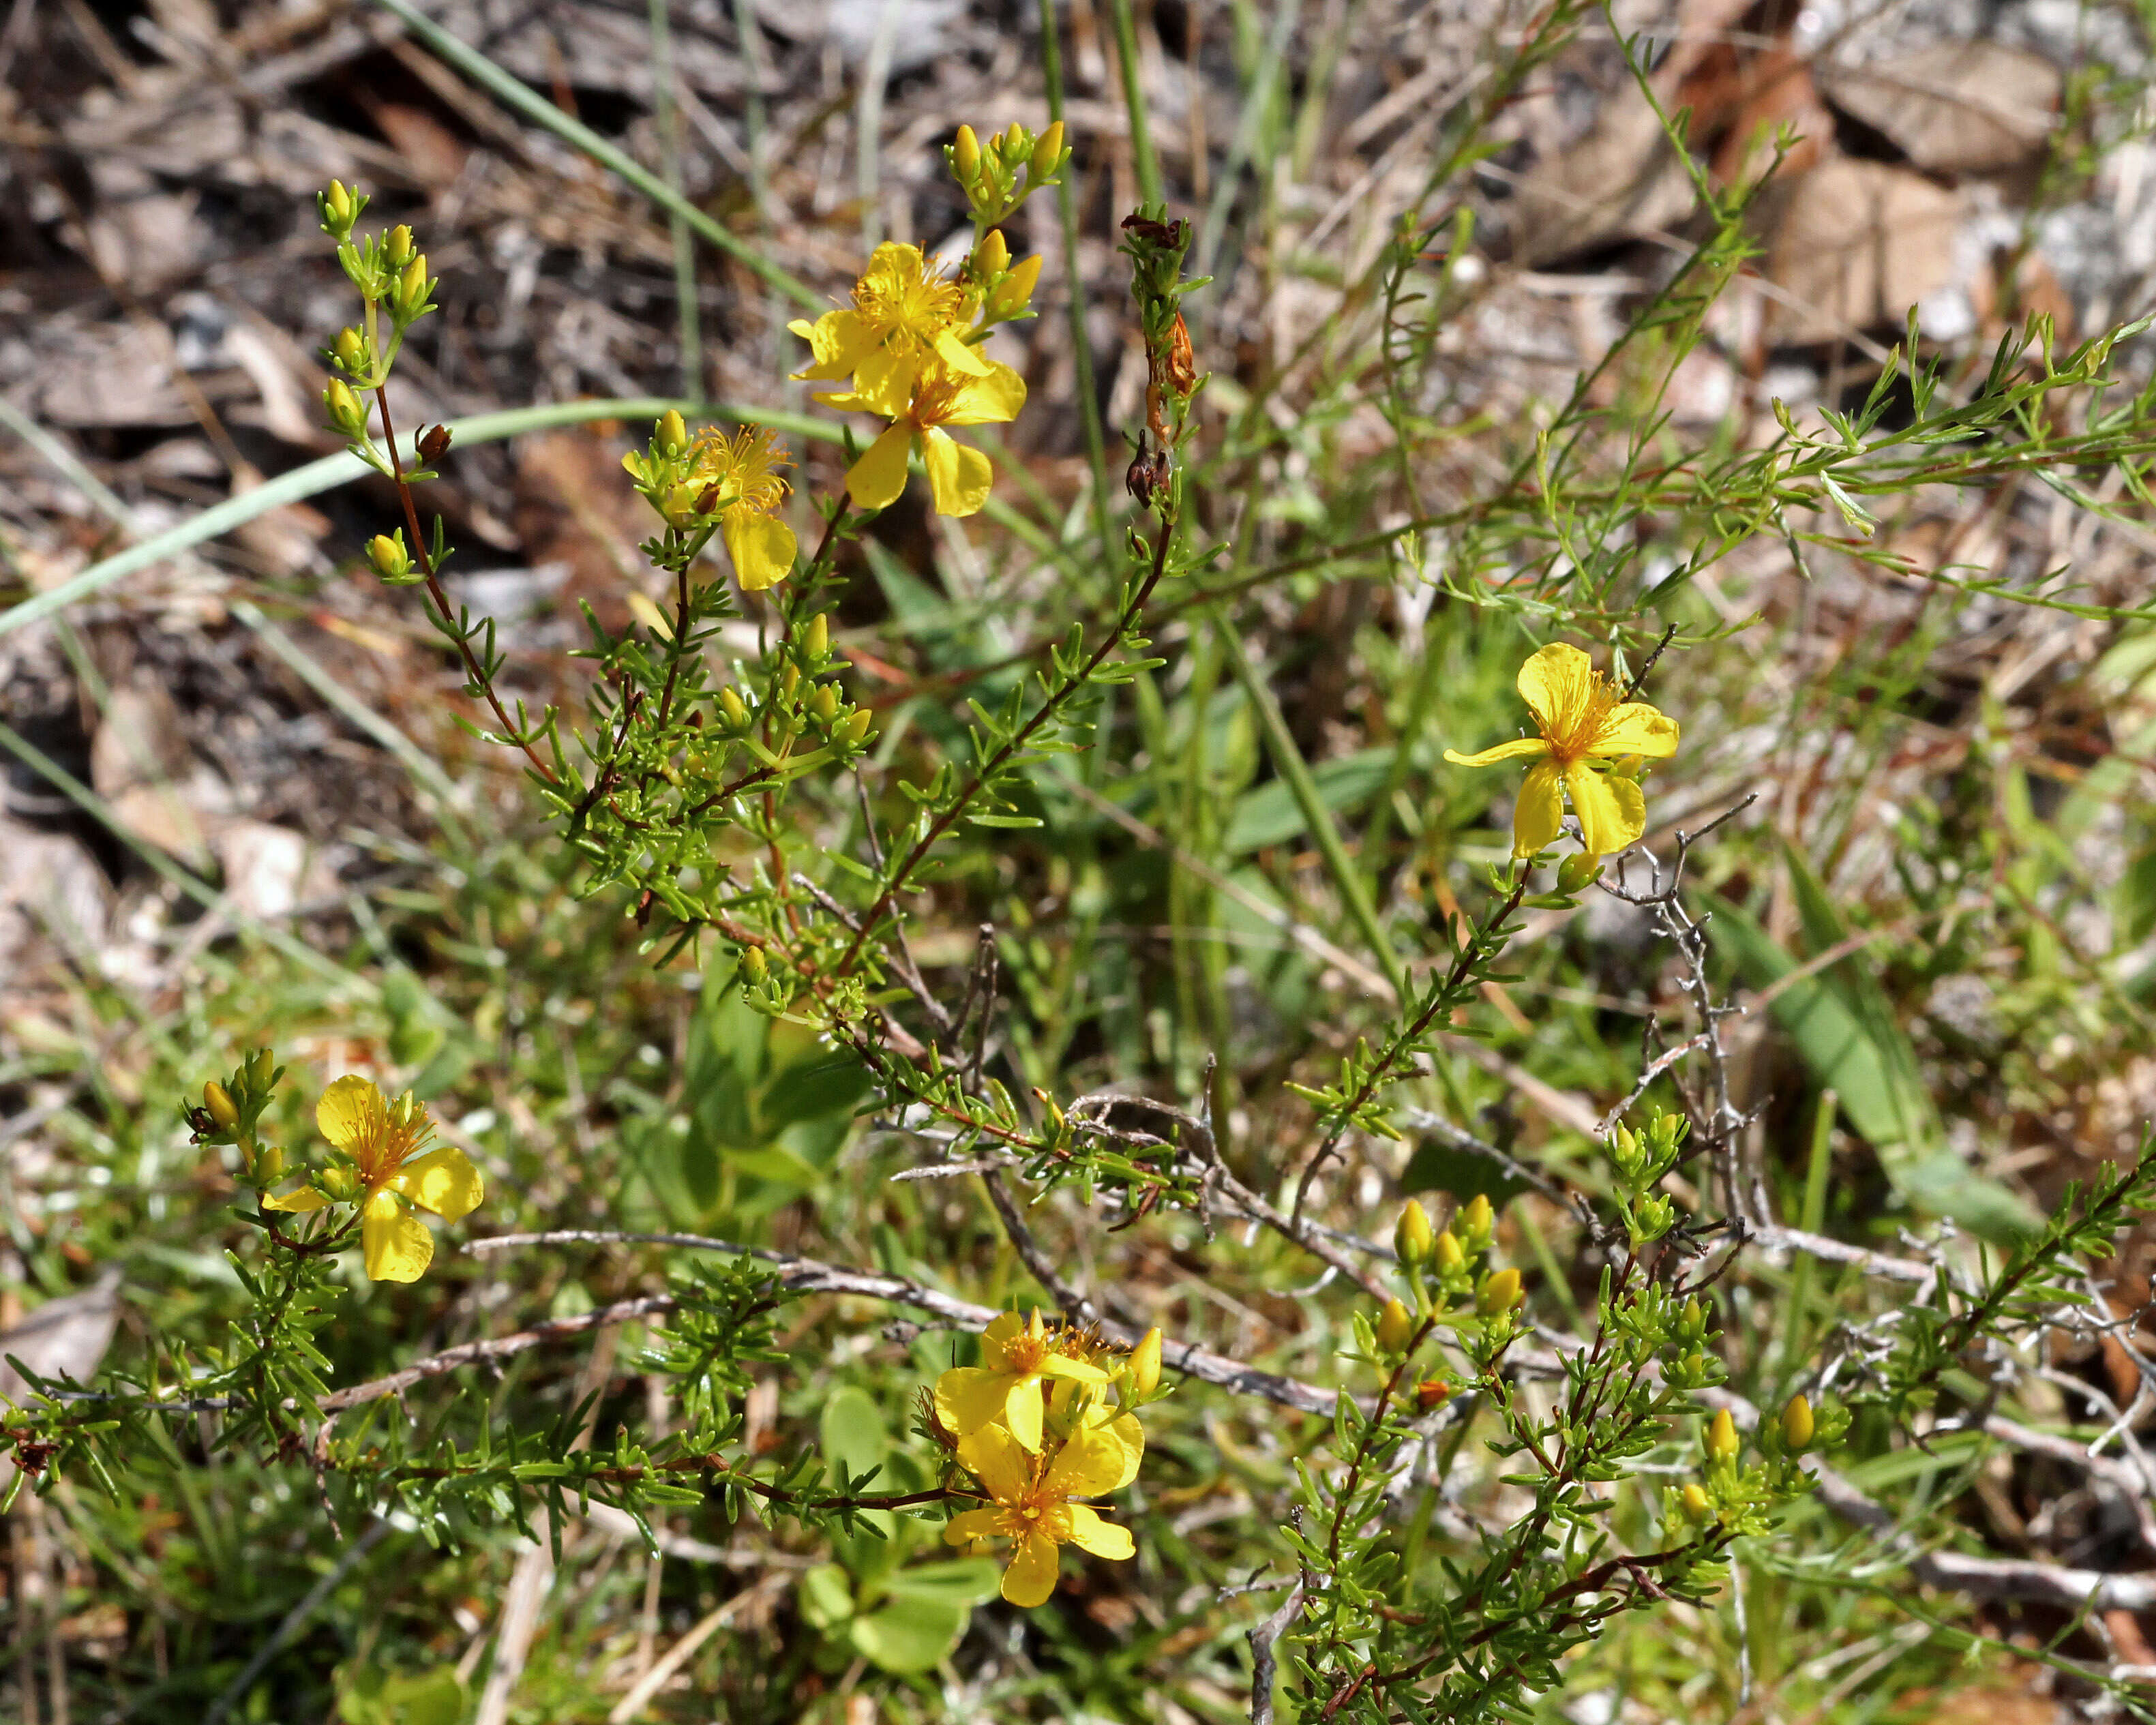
point(904, 312)
point(396, 1167)
point(958, 478)
point(1017, 1360)
point(1582, 721)
point(1029, 1503)
point(745, 468)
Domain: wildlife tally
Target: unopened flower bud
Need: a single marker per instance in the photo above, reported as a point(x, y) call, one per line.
point(858, 725)
point(1413, 1237)
point(270, 1163)
point(1695, 1502)
point(732, 710)
point(992, 255)
point(816, 639)
point(965, 155)
point(342, 407)
point(1014, 142)
point(219, 1100)
point(1432, 1392)
point(752, 965)
point(1500, 1293)
point(261, 1067)
point(671, 433)
point(1448, 1254)
point(340, 1185)
point(1145, 1363)
point(397, 247)
point(1721, 1437)
point(412, 286)
point(1797, 1425)
point(339, 209)
point(391, 560)
point(1578, 872)
point(1474, 1223)
point(1014, 292)
point(1395, 1328)
point(824, 704)
point(351, 349)
point(1692, 1321)
point(1047, 154)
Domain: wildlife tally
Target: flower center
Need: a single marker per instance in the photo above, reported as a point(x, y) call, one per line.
point(1571, 735)
point(1023, 1353)
point(896, 301)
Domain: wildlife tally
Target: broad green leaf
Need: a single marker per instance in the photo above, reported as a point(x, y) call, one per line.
point(1268, 815)
point(909, 1634)
point(966, 1581)
point(825, 1596)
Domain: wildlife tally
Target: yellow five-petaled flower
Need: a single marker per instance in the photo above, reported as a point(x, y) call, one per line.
point(394, 1166)
point(1029, 1503)
point(905, 315)
point(1583, 721)
point(1010, 1384)
point(745, 468)
point(958, 477)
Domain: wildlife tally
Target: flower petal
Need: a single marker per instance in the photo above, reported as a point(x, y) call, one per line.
point(968, 1398)
point(762, 547)
point(1092, 1462)
point(1021, 1410)
point(350, 1111)
point(396, 1245)
point(1636, 729)
point(1057, 1365)
point(1504, 751)
point(1104, 1539)
point(1538, 817)
point(305, 1198)
point(989, 399)
point(883, 380)
point(875, 480)
point(1127, 1432)
point(960, 358)
point(969, 1525)
point(958, 477)
point(838, 341)
point(992, 1456)
point(443, 1181)
point(1557, 684)
point(1612, 811)
point(1031, 1576)
point(996, 1340)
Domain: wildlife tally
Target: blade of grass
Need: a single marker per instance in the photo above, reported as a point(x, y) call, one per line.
point(1081, 347)
point(1287, 762)
point(1144, 162)
point(1812, 1214)
point(668, 118)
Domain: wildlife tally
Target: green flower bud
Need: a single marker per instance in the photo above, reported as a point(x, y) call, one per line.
point(753, 964)
point(1695, 1502)
point(1395, 1328)
point(671, 433)
point(261, 1065)
point(732, 711)
point(1578, 872)
point(1014, 143)
point(1413, 1237)
point(1692, 1322)
point(992, 255)
point(966, 156)
point(391, 560)
point(816, 639)
point(1797, 1424)
point(411, 288)
point(397, 247)
point(859, 723)
point(824, 704)
point(1500, 1293)
point(351, 350)
point(1448, 1253)
point(341, 1185)
point(269, 1163)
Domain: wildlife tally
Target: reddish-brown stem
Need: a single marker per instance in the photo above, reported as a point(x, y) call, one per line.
point(480, 680)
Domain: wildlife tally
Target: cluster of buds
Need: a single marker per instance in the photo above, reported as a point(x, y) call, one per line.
point(1640, 1160)
point(989, 174)
point(1004, 289)
point(230, 1112)
point(1449, 1287)
point(1729, 1495)
point(1156, 247)
point(390, 272)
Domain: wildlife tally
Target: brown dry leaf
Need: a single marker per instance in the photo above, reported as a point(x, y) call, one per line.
point(1858, 245)
point(1955, 107)
point(1774, 92)
point(435, 155)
